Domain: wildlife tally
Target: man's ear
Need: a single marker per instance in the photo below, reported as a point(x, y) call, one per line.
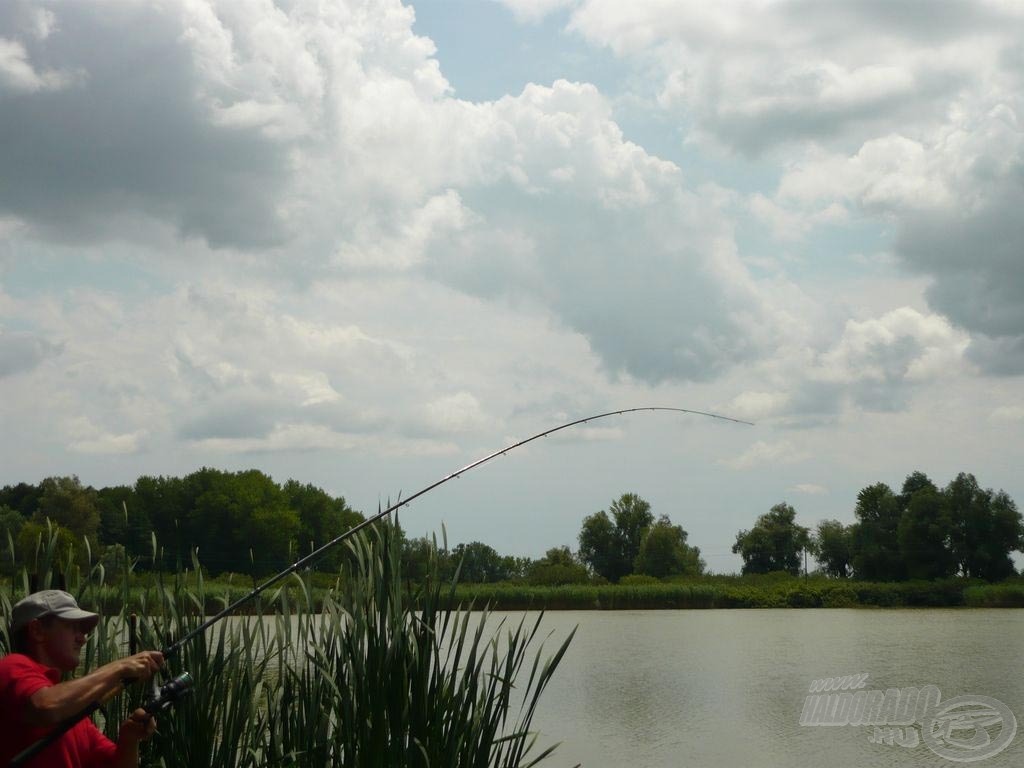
point(35, 631)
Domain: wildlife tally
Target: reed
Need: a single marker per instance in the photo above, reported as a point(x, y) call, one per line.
point(370, 672)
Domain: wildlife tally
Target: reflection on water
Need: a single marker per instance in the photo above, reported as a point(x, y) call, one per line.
point(726, 688)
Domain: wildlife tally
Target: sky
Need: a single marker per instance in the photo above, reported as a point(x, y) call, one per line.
point(362, 243)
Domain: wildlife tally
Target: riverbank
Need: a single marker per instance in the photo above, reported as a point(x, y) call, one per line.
point(709, 592)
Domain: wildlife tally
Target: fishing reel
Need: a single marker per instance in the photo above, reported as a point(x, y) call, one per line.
point(168, 694)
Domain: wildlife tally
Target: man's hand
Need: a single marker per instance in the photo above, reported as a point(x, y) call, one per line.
point(139, 727)
point(141, 666)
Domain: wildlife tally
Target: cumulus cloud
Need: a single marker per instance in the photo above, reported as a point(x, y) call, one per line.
point(756, 75)
point(875, 364)
point(873, 110)
point(327, 138)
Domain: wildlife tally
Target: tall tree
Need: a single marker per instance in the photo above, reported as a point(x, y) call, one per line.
point(925, 534)
point(876, 545)
point(774, 543)
point(322, 518)
point(22, 498)
point(480, 563)
point(610, 544)
point(986, 528)
point(832, 546)
point(664, 552)
point(72, 506)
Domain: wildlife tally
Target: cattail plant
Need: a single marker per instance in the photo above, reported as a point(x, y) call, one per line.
point(375, 672)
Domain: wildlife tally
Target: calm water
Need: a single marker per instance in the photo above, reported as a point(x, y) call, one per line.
point(648, 689)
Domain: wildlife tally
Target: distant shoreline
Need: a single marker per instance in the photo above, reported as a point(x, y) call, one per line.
point(704, 593)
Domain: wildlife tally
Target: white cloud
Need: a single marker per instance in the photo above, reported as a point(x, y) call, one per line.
point(18, 74)
point(761, 452)
point(810, 489)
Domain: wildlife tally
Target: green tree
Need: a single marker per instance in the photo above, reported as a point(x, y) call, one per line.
point(558, 566)
point(832, 546)
point(418, 555)
point(986, 528)
point(22, 498)
point(480, 563)
point(774, 543)
point(322, 518)
point(664, 552)
point(925, 534)
point(70, 505)
point(876, 546)
point(610, 544)
point(164, 502)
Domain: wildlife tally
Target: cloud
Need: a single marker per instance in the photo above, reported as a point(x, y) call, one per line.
point(87, 438)
point(810, 489)
point(754, 76)
point(18, 75)
point(761, 452)
point(873, 110)
point(326, 140)
point(874, 364)
point(22, 351)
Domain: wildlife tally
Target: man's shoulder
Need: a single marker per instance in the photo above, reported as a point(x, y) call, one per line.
point(20, 660)
point(18, 665)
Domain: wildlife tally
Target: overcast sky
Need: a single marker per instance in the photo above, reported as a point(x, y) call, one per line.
point(361, 243)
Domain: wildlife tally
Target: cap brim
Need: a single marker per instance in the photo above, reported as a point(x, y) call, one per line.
point(77, 614)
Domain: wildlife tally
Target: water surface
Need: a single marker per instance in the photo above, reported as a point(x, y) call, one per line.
point(653, 689)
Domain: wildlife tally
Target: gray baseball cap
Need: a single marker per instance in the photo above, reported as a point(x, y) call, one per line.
point(50, 602)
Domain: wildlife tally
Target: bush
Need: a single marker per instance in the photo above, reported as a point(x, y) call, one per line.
point(638, 579)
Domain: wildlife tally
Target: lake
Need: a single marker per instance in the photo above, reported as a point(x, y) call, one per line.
point(653, 689)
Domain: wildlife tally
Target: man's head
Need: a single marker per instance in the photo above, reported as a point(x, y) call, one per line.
point(51, 628)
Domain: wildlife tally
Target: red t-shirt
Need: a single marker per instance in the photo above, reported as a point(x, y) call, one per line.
point(81, 747)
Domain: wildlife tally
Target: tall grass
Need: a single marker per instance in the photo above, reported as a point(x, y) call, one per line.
point(369, 673)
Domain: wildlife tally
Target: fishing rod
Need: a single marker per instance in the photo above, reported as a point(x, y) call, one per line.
point(173, 649)
point(166, 695)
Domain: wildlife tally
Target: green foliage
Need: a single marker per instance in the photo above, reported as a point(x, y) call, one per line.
point(664, 552)
point(70, 505)
point(322, 518)
point(774, 543)
point(832, 546)
point(11, 523)
point(986, 528)
point(372, 676)
point(877, 553)
point(927, 533)
point(558, 566)
point(480, 563)
point(611, 544)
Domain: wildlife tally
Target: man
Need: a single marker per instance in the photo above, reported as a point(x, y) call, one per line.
point(48, 630)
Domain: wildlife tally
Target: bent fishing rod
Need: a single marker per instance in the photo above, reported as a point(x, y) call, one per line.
point(173, 649)
point(173, 690)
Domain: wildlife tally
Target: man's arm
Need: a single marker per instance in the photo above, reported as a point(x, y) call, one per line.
point(51, 705)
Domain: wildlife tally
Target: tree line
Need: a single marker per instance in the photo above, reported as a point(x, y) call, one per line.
point(240, 522)
point(244, 522)
point(922, 532)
